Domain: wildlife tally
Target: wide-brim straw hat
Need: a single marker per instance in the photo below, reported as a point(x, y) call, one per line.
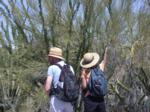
point(56, 52)
point(89, 60)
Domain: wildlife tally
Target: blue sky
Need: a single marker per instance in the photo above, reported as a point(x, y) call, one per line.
point(136, 7)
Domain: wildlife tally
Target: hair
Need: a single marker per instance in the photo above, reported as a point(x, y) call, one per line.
point(95, 66)
point(54, 60)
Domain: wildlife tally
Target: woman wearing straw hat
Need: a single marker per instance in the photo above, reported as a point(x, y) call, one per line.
point(56, 104)
point(89, 61)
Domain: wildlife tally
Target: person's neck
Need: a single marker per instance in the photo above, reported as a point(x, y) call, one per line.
point(57, 61)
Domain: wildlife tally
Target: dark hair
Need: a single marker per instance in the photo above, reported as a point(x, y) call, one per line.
point(95, 66)
point(54, 60)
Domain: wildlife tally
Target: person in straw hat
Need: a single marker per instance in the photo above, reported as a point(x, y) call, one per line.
point(89, 61)
point(55, 57)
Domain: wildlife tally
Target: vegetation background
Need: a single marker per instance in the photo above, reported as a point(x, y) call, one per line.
point(28, 28)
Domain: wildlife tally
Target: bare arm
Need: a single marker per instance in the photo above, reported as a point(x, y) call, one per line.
point(48, 84)
point(105, 60)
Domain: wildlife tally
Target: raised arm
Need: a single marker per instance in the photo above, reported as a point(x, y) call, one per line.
point(105, 60)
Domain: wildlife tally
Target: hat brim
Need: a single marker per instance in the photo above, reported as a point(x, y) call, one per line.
point(91, 64)
point(59, 57)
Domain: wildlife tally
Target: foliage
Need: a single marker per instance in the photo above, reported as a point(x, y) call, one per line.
point(29, 28)
point(17, 78)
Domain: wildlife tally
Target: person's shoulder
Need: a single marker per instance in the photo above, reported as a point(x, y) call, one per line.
point(71, 66)
point(62, 63)
point(53, 67)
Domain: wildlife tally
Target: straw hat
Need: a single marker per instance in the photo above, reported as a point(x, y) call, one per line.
point(56, 52)
point(89, 60)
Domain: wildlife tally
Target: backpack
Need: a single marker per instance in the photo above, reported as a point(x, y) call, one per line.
point(68, 86)
point(97, 83)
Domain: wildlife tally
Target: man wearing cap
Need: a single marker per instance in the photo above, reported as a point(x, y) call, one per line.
point(89, 61)
point(55, 57)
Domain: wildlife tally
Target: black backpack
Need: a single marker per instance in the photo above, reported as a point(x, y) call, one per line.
point(98, 83)
point(68, 86)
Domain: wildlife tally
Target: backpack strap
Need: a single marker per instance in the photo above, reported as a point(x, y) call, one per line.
point(59, 66)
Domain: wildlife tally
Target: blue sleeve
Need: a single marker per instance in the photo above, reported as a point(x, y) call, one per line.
point(52, 70)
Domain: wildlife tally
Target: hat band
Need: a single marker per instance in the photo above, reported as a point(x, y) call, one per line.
point(56, 54)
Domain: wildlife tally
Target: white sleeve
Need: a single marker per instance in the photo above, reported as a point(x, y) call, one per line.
point(50, 71)
point(72, 69)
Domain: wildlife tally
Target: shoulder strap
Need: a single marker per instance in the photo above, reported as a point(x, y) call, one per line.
point(62, 66)
point(59, 66)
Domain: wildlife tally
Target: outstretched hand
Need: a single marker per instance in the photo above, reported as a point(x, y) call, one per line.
point(105, 59)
